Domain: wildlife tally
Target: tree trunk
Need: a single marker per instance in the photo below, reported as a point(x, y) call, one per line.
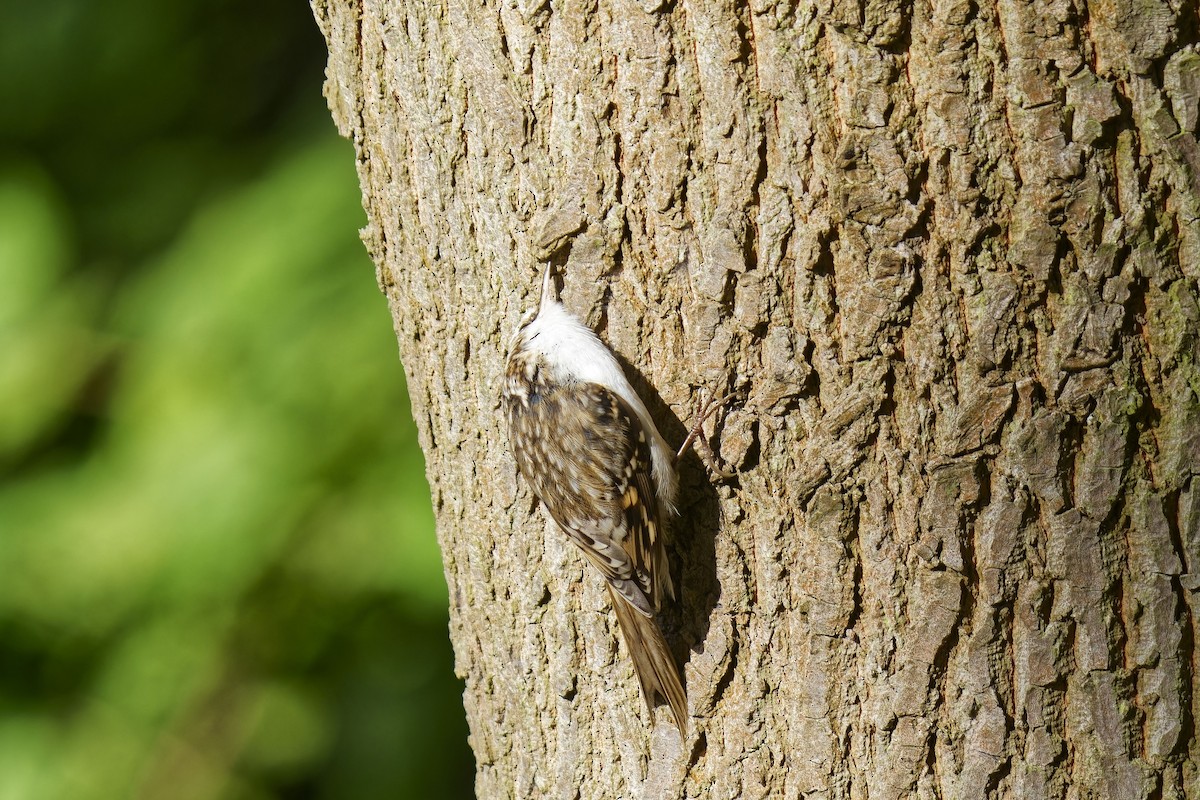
point(949, 253)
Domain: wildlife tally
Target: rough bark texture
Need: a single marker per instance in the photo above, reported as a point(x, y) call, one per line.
point(949, 251)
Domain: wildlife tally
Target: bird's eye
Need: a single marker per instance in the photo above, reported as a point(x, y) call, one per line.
point(525, 320)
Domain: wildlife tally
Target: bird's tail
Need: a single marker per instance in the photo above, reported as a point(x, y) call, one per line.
point(652, 660)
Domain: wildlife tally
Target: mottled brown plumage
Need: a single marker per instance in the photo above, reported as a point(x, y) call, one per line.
point(585, 442)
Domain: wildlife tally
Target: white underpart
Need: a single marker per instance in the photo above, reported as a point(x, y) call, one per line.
point(573, 352)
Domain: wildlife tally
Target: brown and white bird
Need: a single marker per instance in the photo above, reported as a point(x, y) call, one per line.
point(586, 444)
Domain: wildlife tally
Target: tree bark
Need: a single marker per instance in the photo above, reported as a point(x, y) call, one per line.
point(948, 251)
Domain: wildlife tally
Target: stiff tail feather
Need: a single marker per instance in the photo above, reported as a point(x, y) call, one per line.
point(652, 661)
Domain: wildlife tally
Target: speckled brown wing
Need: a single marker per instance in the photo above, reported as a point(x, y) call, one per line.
point(587, 458)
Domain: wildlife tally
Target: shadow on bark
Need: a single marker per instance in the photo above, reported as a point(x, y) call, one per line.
point(692, 542)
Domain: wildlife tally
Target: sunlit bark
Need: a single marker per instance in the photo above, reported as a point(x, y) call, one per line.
point(949, 253)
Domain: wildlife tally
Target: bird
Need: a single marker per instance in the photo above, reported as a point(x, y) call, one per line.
point(586, 444)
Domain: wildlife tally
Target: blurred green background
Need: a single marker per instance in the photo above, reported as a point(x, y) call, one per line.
point(218, 573)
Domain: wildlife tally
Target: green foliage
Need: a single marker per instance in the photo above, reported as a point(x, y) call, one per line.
point(220, 578)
